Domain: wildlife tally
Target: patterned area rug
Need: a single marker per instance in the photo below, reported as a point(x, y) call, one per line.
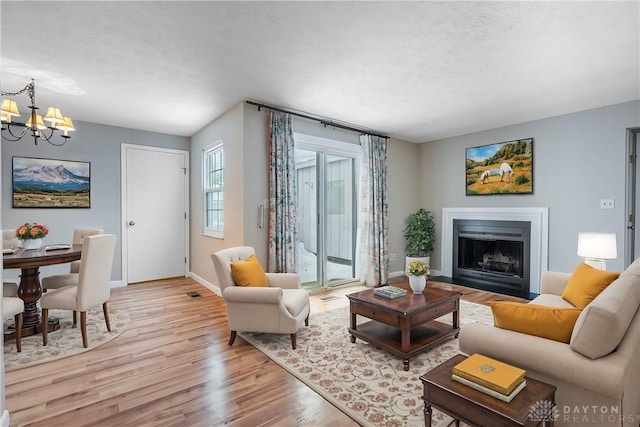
point(366, 383)
point(66, 341)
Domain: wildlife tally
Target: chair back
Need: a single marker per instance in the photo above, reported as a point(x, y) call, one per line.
point(222, 263)
point(78, 237)
point(9, 239)
point(94, 279)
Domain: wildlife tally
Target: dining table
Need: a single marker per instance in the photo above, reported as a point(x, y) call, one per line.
point(30, 288)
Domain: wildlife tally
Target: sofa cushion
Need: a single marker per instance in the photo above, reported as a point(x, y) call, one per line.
point(249, 273)
point(553, 323)
point(586, 283)
point(603, 323)
point(550, 300)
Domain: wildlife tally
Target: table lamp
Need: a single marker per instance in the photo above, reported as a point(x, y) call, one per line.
point(596, 248)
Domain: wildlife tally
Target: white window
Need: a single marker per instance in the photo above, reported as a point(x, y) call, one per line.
point(213, 170)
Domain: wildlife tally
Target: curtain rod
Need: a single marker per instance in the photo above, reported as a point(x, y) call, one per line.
point(322, 121)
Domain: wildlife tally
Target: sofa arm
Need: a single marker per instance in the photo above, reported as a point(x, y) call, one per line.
point(552, 359)
point(553, 282)
point(252, 295)
point(284, 280)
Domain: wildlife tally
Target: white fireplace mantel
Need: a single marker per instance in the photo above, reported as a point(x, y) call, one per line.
point(538, 217)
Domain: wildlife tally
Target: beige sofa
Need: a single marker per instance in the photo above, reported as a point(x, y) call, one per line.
point(597, 374)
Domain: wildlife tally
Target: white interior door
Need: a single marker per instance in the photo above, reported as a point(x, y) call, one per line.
point(155, 207)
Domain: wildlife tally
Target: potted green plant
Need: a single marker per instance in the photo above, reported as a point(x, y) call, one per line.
point(420, 236)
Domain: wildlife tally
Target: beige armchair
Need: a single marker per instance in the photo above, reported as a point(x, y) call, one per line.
point(279, 308)
point(71, 279)
point(94, 285)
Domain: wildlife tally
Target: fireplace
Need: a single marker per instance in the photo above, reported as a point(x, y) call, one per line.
point(492, 255)
point(537, 217)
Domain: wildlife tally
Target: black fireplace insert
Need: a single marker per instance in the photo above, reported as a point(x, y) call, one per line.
point(492, 255)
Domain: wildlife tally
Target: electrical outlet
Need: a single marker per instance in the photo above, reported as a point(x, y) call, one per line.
point(606, 204)
point(393, 257)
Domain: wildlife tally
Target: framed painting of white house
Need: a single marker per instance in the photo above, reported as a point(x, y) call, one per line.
point(50, 183)
point(501, 168)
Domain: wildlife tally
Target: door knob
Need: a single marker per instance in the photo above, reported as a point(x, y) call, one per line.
point(132, 223)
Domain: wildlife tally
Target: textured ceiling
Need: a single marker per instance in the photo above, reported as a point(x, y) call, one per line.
point(417, 71)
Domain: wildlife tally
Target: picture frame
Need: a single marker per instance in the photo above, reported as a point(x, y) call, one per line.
point(500, 168)
point(50, 183)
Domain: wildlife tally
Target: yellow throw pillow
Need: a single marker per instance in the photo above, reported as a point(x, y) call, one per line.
point(249, 273)
point(586, 283)
point(533, 319)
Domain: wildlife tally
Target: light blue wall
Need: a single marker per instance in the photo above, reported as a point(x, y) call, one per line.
point(579, 158)
point(245, 131)
point(95, 143)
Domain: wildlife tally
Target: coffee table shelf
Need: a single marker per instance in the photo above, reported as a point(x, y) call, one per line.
point(405, 326)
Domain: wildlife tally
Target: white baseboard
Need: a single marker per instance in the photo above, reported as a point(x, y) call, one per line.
point(6, 419)
point(213, 288)
point(117, 284)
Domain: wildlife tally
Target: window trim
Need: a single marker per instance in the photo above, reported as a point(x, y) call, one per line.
point(218, 145)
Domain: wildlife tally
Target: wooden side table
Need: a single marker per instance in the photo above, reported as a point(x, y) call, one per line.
point(479, 409)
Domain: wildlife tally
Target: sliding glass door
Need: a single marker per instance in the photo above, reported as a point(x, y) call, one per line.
point(327, 187)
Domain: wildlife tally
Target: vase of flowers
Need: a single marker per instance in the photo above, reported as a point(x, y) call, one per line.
point(31, 235)
point(418, 271)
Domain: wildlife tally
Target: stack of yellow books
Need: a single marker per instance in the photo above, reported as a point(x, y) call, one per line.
point(490, 376)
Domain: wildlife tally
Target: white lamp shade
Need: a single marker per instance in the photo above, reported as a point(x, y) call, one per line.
point(9, 108)
point(54, 116)
point(39, 123)
point(597, 245)
point(66, 126)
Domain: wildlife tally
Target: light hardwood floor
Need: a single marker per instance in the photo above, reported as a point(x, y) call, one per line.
point(172, 366)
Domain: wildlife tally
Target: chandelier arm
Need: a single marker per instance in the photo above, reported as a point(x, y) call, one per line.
point(49, 138)
point(17, 137)
point(43, 135)
point(64, 141)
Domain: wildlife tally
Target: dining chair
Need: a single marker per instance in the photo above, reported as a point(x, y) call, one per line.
point(58, 281)
point(9, 241)
point(14, 307)
point(9, 289)
point(256, 301)
point(93, 287)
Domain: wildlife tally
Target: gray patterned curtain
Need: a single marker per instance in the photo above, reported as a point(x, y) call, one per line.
point(283, 199)
point(373, 223)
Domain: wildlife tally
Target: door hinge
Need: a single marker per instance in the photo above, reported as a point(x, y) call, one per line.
point(184, 170)
point(185, 215)
point(632, 158)
point(185, 260)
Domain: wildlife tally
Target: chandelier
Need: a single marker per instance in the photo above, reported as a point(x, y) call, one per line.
point(14, 131)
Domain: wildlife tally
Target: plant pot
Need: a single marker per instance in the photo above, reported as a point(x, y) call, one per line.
point(417, 283)
point(30, 244)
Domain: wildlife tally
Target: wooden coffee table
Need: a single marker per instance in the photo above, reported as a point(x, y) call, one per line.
point(476, 408)
point(405, 326)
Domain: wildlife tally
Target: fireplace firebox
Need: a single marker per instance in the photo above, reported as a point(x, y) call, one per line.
point(492, 255)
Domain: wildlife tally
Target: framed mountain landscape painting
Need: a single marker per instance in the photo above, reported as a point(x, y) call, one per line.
point(501, 168)
point(50, 183)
